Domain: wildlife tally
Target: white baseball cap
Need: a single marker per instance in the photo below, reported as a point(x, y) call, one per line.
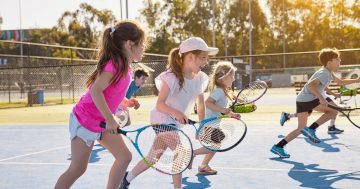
point(196, 43)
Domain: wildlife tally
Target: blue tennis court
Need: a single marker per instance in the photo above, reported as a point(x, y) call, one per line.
point(34, 156)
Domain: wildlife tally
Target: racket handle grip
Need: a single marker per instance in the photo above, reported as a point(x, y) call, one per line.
point(191, 121)
point(103, 125)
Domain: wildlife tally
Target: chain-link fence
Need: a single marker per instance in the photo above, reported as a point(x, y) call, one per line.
point(48, 74)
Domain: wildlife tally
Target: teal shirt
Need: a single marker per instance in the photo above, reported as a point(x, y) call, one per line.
point(221, 100)
point(132, 89)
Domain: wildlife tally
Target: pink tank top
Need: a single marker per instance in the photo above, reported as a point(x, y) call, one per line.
point(86, 111)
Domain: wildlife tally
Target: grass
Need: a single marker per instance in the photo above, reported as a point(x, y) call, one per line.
point(59, 114)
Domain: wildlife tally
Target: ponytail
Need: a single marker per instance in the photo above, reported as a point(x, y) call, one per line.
point(175, 64)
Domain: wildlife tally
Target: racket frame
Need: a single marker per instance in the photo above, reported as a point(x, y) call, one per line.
point(345, 112)
point(193, 123)
point(248, 102)
point(135, 143)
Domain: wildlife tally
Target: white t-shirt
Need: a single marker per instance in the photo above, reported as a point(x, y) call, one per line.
point(182, 100)
point(221, 100)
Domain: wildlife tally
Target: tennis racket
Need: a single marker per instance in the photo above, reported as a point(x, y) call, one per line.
point(163, 147)
point(251, 93)
point(352, 114)
point(122, 116)
point(220, 134)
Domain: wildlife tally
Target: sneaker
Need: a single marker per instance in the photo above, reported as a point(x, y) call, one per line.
point(310, 133)
point(283, 118)
point(124, 184)
point(279, 151)
point(207, 170)
point(334, 130)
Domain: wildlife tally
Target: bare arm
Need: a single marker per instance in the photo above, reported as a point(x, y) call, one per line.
point(210, 103)
point(345, 81)
point(164, 108)
point(312, 88)
point(200, 106)
point(99, 85)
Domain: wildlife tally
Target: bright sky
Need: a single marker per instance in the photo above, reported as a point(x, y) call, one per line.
point(35, 15)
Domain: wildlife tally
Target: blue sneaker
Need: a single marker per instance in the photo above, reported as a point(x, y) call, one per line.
point(283, 118)
point(279, 151)
point(310, 133)
point(125, 184)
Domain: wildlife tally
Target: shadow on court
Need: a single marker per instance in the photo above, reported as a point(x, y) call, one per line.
point(312, 176)
point(94, 157)
point(203, 182)
point(324, 144)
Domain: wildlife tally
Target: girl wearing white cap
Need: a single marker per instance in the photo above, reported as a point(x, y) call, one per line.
point(179, 87)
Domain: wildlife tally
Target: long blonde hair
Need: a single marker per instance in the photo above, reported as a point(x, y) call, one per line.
point(220, 70)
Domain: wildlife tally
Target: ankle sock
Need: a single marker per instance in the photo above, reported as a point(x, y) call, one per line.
point(281, 144)
point(130, 177)
point(314, 126)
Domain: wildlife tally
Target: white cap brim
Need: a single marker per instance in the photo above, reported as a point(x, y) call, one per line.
point(211, 50)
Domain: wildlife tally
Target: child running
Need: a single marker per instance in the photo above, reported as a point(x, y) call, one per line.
point(107, 85)
point(221, 81)
point(310, 98)
point(179, 87)
point(331, 128)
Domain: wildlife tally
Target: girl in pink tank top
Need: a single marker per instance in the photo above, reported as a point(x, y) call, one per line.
point(107, 85)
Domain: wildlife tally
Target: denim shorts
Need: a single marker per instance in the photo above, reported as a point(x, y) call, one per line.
point(77, 130)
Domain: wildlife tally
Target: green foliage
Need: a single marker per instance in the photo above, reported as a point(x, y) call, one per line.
point(306, 25)
point(80, 28)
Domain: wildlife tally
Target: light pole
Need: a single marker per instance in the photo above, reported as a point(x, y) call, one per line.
point(250, 42)
point(127, 10)
point(121, 10)
point(283, 28)
point(213, 22)
point(226, 25)
point(21, 36)
point(21, 45)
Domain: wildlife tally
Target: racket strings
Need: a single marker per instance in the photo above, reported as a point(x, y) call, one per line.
point(354, 117)
point(252, 92)
point(170, 152)
point(220, 134)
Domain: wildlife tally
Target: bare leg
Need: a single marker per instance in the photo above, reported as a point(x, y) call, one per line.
point(115, 144)
point(302, 121)
point(177, 179)
point(142, 166)
point(329, 113)
point(208, 158)
point(80, 154)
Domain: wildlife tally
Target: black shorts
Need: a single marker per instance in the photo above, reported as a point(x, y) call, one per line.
point(309, 106)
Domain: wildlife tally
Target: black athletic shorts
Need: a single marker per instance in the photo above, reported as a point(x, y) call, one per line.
point(309, 106)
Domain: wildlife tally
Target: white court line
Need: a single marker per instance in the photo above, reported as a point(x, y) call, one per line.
point(33, 153)
point(222, 168)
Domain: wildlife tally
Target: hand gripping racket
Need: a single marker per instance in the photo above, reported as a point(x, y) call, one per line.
point(352, 114)
point(220, 134)
point(163, 147)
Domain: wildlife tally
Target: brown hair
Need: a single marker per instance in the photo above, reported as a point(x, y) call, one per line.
point(141, 72)
point(176, 63)
point(327, 54)
point(220, 69)
point(111, 47)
